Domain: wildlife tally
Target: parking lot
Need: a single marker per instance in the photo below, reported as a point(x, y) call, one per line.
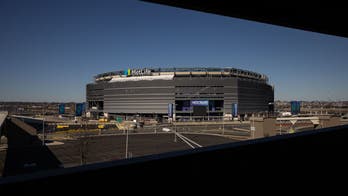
point(95, 149)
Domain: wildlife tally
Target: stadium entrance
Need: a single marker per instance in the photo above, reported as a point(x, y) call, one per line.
point(198, 109)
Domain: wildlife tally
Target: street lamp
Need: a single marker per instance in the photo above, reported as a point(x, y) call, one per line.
point(223, 122)
point(43, 125)
point(127, 142)
point(280, 127)
point(175, 133)
point(252, 128)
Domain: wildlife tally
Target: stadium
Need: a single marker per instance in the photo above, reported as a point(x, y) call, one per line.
point(179, 93)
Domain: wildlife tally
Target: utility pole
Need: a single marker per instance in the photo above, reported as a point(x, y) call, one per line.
point(223, 122)
point(253, 126)
point(43, 125)
point(84, 140)
point(280, 128)
point(126, 142)
point(175, 133)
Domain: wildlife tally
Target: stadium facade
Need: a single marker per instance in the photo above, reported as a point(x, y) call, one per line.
point(180, 92)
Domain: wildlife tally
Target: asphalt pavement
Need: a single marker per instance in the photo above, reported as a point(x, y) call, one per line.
point(96, 149)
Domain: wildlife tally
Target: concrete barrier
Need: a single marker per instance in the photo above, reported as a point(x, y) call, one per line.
point(263, 127)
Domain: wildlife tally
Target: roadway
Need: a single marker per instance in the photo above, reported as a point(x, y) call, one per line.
point(238, 130)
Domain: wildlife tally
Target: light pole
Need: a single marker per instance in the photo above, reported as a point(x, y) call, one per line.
point(223, 122)
point(126, 142)
point(252, 128)
point(175, 133)
point(280, 127)
point(43, 125)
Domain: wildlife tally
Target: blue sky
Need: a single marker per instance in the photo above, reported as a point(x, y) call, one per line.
point(50, 50)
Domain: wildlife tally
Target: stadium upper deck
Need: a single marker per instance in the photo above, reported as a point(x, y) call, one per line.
point(182, 72)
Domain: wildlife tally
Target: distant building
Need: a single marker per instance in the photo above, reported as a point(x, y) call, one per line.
point(191, 91)
point(295, 107)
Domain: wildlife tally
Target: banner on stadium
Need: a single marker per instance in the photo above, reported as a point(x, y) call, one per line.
point(61, 108)
point(170, 110)
point(80, 108)
point(234, 109)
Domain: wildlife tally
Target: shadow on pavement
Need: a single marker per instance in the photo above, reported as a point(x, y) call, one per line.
point(25, 152)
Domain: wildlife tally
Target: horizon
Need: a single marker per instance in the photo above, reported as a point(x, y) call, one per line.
point(333, 101)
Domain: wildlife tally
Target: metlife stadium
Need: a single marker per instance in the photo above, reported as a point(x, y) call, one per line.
point(180, 93)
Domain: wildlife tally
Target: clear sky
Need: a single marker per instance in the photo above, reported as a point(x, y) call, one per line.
point(50, 49)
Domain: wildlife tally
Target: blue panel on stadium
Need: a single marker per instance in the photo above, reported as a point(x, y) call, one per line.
point(234, 109)
point(80, 107)
point(170, 110)
point(61, 108)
